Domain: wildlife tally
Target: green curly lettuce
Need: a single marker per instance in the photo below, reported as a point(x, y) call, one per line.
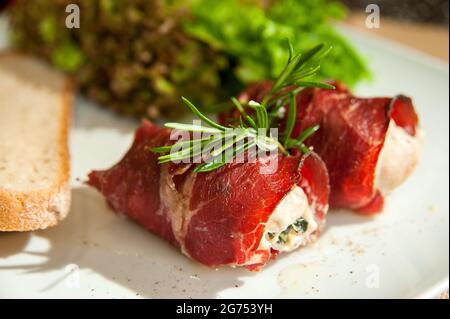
point(254, 37)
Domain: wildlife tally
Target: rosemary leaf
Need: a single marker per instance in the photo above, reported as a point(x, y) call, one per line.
point(223, 160)
point(261, 114)
point(167, 148)
point(252, 122)
point(239, 106)
point(310, 54)
point(301, 74)
point(307, 133)
point(291, 118)
point(315, 84)
point(283, 99)
point(192, 128)
point(207, 167)
point(201, 116)
point(186, 153)
point(161, 149)
point(230, 143)
point(289, 68)
point(291, 50)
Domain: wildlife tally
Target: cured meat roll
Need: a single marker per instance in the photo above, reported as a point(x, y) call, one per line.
point(370, 145)
point(234, 215)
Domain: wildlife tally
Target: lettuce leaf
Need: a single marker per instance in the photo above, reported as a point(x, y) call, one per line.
point(254, 38)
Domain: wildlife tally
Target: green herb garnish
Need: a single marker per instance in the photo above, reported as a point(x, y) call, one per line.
point(226, 143)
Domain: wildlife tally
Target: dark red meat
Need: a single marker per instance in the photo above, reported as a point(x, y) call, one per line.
point(217, 217)
point(351, 135)
point(132, 186)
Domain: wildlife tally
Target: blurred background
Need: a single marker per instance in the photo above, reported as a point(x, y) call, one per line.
point(421, 24)
point(137, 57)
point(422, 11)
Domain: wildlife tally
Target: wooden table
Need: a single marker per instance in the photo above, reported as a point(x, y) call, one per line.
point(430, 39)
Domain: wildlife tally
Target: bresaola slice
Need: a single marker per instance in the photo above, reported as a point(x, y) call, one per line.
point(234, 215)
point(370, 145)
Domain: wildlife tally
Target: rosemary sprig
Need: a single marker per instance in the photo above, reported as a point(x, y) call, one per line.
point(222, 144)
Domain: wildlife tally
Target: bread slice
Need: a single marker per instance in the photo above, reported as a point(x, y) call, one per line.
point(35, 103)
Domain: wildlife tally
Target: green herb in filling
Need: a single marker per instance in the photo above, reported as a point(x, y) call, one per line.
point(300, 225)
point(284, 235)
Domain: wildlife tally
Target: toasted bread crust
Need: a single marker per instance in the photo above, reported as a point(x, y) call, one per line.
point(26, 211)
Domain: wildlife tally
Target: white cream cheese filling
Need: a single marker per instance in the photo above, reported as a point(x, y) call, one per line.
point(291, 224)
point(398, 158)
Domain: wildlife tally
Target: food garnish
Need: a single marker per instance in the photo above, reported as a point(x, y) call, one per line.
point(255, 118)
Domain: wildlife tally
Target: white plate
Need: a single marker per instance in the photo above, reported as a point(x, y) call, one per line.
point(402, 253)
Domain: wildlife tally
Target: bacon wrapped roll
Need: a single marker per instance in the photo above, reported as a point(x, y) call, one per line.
point(370, 145)
point(234, 215)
